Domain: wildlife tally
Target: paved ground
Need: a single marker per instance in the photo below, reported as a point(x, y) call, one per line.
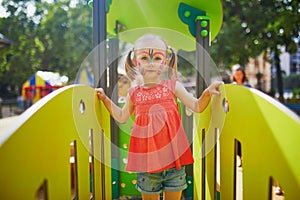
point(6, 123)
point(8, 118)
point(9, 111)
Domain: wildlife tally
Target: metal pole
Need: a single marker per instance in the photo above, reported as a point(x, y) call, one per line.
point(203, 78)
point(99, 43)
point(113, 93)
point(100, 65)
point(202, 53)
point(1, 108)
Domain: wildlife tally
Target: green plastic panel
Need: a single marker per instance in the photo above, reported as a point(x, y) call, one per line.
point(149, 16)
point(127, 181)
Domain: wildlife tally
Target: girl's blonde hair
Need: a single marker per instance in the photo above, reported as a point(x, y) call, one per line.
point(130, 68)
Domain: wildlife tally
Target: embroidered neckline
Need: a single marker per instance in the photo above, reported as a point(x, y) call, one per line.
point(154, 86)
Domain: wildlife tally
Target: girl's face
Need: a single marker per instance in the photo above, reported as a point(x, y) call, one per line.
point(151, 62)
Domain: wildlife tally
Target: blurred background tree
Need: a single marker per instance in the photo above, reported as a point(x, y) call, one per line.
point(254, 27)
point(54, 36)
point(57, 35)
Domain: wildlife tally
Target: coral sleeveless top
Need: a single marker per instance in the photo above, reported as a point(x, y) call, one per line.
point(158, 140)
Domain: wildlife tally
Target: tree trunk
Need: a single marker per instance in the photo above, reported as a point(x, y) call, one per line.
point(278, 75)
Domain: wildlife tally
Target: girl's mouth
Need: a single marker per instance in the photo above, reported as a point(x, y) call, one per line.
point(153, 70)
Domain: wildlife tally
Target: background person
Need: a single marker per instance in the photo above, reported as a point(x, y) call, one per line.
point(239, 77)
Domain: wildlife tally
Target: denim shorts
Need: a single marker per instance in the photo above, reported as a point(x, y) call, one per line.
point(172, 180)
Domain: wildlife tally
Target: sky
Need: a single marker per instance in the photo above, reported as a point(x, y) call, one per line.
point(30, 8)
point(2, 10)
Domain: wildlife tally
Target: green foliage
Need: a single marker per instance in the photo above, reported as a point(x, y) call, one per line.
point(186, 63)
point(292, 81)
point(296, 93)
point(252, 27)
point(56, 37)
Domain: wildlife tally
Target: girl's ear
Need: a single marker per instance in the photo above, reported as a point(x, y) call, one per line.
point(173, 64)
point(134, 62)
point(166, 61)
point(130, 66)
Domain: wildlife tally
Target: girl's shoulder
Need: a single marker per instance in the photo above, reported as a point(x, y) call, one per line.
point(133, 88)
point(170, 83)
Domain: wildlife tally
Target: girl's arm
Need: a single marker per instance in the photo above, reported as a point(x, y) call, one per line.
point(196, 105)
point(119, 114)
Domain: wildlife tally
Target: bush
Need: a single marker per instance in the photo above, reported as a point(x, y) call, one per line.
point(291, 82)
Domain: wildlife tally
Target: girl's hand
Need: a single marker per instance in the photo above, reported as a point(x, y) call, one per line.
point(101, 94)
point(213, 89)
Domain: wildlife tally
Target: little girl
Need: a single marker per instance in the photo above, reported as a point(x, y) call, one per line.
point(158, 149)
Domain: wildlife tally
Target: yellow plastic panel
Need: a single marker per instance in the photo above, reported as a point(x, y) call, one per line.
point(208, 123)
point(269, 134)
point(36, 148)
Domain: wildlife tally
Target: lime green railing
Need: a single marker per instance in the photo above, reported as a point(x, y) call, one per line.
point(269, 135)
point(60, 148)
point(53, 150)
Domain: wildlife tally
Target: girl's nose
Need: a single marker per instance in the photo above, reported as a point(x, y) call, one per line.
point(151, 62)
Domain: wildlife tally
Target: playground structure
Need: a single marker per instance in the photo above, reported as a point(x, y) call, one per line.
point(40, 84)
point(84, 77)
point(35, 157)
point(74, 158)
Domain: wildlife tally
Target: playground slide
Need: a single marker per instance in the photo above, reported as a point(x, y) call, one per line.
point(269, 136)
point(54, 148)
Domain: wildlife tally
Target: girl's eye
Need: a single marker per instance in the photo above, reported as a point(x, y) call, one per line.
point(157, 58)
point(144, 58)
